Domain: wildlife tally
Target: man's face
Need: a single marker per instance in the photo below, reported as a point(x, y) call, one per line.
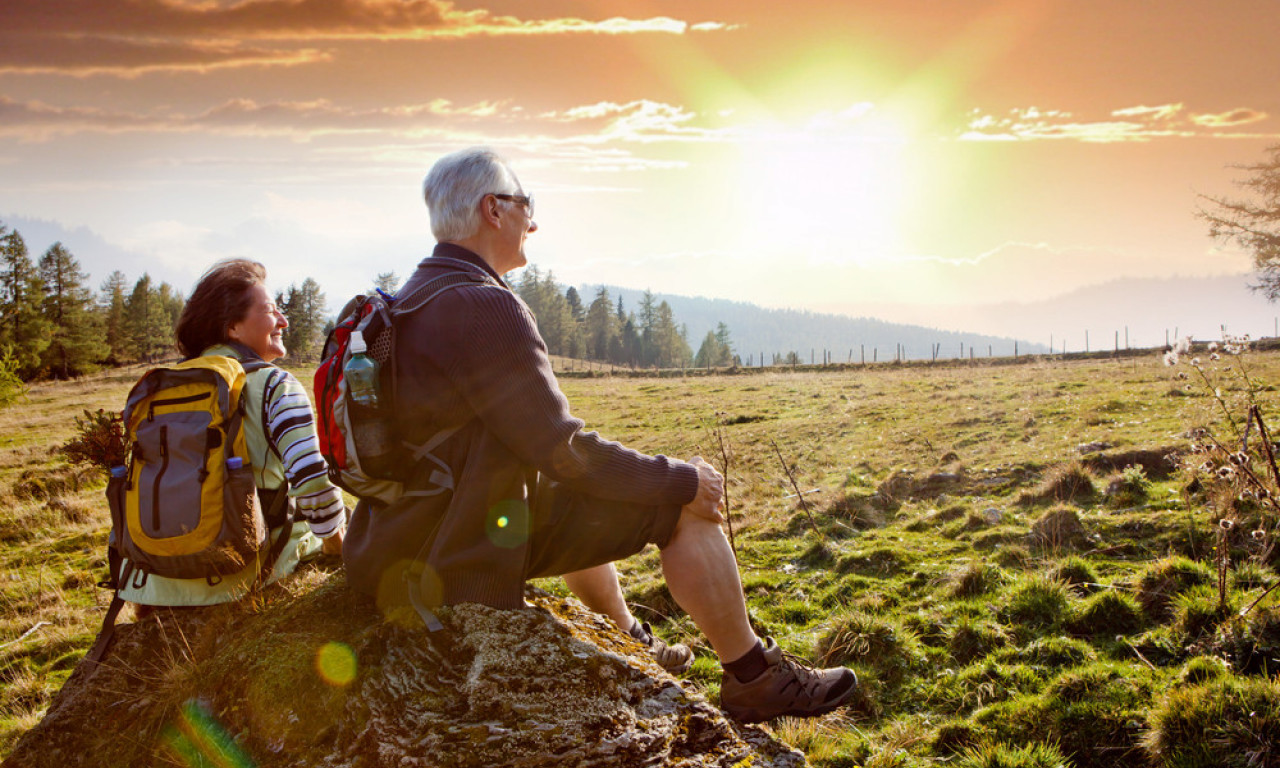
point(517, 223)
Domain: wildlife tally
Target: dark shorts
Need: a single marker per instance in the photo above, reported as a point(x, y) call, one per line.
point(573, 531)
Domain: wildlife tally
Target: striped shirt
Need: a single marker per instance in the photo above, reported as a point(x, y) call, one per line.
point(293, 451)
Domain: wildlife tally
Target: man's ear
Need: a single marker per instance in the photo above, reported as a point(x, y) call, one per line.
point(489, 211)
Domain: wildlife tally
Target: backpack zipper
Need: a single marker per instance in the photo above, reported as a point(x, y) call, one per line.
point(155, 486)
point(151, 414)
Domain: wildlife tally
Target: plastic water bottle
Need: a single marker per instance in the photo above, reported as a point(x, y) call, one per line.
point(361, 373)
point(371, 430)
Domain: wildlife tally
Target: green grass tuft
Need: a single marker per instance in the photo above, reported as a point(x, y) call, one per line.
point(1108, 614)
point(1163, 580)
point(1227, 722)
point(1008, 756)
point(1035, 604)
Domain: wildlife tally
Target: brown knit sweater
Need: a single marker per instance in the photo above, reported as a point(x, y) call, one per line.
point(473, 357)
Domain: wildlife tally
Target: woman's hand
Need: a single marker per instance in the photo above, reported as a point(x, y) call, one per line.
point(333, 544)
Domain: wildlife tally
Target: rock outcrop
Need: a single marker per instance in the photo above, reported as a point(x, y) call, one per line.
point(320, 679)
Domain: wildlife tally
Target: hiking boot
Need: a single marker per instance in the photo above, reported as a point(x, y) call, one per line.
point(676, 659)
point(788, 686)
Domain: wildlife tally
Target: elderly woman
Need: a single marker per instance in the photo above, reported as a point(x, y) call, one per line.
point(231, 313)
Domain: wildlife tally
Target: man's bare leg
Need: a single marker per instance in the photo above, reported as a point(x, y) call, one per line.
point(702, 575)
point(599, 590)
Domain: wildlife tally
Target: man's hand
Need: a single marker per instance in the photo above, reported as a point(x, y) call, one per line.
point(710, 492)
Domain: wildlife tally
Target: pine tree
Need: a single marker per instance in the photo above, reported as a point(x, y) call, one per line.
point(629, 343)
point(113, 302)
point(671, 348)
point(601, 328)
point(78, 339)
point(150, 319)
point(23, 328)
point(648, 326)
point(716, 350)
point(707, 352)
point(574, 300)
point(727, 356)
point(389, 282)
point(304, 308)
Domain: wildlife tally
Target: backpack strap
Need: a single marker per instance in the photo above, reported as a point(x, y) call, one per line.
point(286, 532)
point(423, 294)
point(116, 577)
point(280, 508)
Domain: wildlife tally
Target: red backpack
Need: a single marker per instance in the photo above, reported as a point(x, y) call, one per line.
point(362, 446)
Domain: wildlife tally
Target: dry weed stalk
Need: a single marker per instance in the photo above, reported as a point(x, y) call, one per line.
point(799, 494)
point(725, 455)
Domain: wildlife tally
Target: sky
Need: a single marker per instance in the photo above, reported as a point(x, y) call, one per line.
point(914, 160)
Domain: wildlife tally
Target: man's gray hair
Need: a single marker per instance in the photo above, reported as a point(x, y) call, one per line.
point(456, 183)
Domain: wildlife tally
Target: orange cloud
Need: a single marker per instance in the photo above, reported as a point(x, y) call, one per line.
point(36, 121)
point(1230, 119)
point(90, 36)
point(1162, 112)
point(102, 55)
point(1141, 123)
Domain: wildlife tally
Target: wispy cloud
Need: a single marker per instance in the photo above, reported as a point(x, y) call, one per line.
point(1130, 124)
point(600, 123)
point(1230, 119)
point(130, 58)
point(640, 121)
point(132, 36)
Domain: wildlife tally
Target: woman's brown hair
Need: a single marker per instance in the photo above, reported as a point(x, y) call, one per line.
point(220, 300)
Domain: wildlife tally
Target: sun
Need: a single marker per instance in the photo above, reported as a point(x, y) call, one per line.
point(839, 195)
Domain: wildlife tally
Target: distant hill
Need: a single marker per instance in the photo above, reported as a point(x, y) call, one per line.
point(756, 330)
point(1146, 311)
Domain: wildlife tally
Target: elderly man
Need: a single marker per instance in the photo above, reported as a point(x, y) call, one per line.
point(533, 494)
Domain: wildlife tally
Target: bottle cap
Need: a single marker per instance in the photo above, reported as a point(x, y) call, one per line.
point(119, 471)
point(357, 345)
point(235, 462)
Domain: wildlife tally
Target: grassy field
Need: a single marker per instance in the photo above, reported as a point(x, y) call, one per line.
point(1003, 552)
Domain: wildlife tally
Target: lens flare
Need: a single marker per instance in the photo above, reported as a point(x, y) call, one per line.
point(198, 739)
point(507, 523)
point(336, 664)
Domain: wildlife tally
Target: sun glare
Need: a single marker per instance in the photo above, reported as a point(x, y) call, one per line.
point(837, 198)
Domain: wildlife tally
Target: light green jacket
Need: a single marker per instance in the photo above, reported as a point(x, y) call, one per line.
point(303, 545)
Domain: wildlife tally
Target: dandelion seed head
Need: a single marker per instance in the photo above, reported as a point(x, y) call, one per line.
point(1259, 535)
point(1226, 524)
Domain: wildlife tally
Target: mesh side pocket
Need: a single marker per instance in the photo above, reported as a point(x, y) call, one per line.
point(380, 348)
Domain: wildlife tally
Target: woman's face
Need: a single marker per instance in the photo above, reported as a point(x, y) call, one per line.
point(261, 328)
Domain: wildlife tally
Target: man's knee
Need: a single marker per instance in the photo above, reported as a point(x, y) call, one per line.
point(695, 527)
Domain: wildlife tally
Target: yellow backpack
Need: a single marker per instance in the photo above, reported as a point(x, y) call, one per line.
point(185, 504)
